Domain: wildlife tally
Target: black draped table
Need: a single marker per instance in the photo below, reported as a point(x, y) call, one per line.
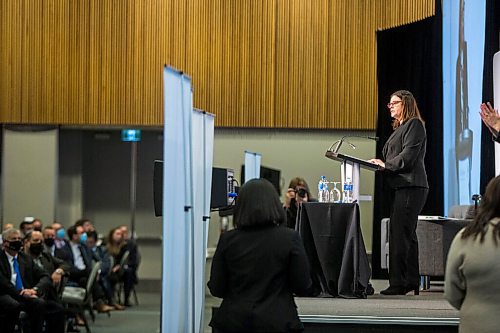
point(334, 245)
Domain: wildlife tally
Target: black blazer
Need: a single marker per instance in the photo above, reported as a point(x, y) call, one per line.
point(66, 254)
point(31, 275)
point(256, 271)
point(404, 154)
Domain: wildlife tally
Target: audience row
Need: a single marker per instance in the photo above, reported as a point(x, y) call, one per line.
point(37, 263)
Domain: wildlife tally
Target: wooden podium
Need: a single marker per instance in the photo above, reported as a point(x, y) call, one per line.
point(349, 168)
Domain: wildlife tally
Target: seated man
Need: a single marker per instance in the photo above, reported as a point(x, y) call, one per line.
point(21, 282)
point(54, 267)
point(49, 236)
point(76, 256)
point(79, 260)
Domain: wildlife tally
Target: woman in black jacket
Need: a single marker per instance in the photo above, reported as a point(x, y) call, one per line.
point(258, 266)
point(405, 176)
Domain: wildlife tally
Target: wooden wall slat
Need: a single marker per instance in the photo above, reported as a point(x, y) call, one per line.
point(254, 63)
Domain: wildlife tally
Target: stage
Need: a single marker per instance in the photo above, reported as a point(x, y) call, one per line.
point(424, 313)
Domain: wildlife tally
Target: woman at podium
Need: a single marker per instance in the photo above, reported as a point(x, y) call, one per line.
point(405, 176)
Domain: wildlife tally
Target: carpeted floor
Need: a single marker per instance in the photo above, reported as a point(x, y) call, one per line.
point(146, 317)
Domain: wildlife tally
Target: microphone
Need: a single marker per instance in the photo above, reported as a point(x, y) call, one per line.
point(339, 142)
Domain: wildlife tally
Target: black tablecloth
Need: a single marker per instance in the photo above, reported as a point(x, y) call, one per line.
point(334, 245)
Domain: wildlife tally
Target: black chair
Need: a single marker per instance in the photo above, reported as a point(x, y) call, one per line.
point(78, 299)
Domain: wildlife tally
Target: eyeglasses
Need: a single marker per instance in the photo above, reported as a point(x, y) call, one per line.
point(391, 104)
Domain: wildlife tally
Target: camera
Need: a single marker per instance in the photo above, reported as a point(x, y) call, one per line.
point(301, 192)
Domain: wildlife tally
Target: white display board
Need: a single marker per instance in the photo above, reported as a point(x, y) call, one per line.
point(252, 165)
point(187, 172)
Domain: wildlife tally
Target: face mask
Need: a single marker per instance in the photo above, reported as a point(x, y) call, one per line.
point(49, 242)
point(36, 248)
point(60, 233)
point(15, 246)
point(83, 238)
point(38, 229)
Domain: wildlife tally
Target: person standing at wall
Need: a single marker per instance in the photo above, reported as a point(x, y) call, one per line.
point(404, 174)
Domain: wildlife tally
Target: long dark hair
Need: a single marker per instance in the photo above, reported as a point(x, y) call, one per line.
point(410, 108)
point(489, 209)
point(299, 181)
point(258, 204)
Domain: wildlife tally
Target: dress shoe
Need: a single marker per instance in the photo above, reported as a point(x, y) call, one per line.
point(103, 308)
point(394, 290)
point(79, 320)
point(118, 307)
point(399, 290)
point(415, 289)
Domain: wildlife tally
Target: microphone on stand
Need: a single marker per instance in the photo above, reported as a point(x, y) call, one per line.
point(339, 142)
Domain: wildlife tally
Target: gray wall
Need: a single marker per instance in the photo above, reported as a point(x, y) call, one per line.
point(29, 174)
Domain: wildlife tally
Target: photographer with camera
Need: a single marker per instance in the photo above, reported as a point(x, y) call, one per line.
point(297, 193)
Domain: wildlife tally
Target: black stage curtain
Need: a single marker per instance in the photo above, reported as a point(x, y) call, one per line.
point(410, 57)
point(491, 46)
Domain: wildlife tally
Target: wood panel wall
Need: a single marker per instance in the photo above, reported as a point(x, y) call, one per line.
point(254, 63)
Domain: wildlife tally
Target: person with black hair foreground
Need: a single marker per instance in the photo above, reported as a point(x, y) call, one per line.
point(405, 176)
point(473, 267)
point(491, 118)
point(258, 266)
point(297, 193)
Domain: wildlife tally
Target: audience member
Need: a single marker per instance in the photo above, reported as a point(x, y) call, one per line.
point(100, 253)
point(5, 227)
point(37, 224)
point(130, 270)
point(60, 239)
point(55, 267)
point(21, 282)
point(258, 266)
point(76, 257)
point(26, 225)
point(473, 267)
point(33, 246)
point(49, 236)
point(79, 260)
point(297, 193)
point(86, 224)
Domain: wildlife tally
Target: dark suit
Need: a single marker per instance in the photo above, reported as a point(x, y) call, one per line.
point(405, 175)
point(11, 302)
point(256, 271)
point(76, 275)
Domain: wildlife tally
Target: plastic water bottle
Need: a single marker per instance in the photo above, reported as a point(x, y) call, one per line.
point(347, 191)
point(326, 193)
point(321, 189)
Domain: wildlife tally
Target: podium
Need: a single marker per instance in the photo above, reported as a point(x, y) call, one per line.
point(349, 168)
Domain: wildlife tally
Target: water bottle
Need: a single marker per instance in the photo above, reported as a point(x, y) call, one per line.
point(326, 193)
point(347, 191)
point(321, 189)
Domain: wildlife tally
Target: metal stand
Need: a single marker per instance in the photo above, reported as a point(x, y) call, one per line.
point(133, 186)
